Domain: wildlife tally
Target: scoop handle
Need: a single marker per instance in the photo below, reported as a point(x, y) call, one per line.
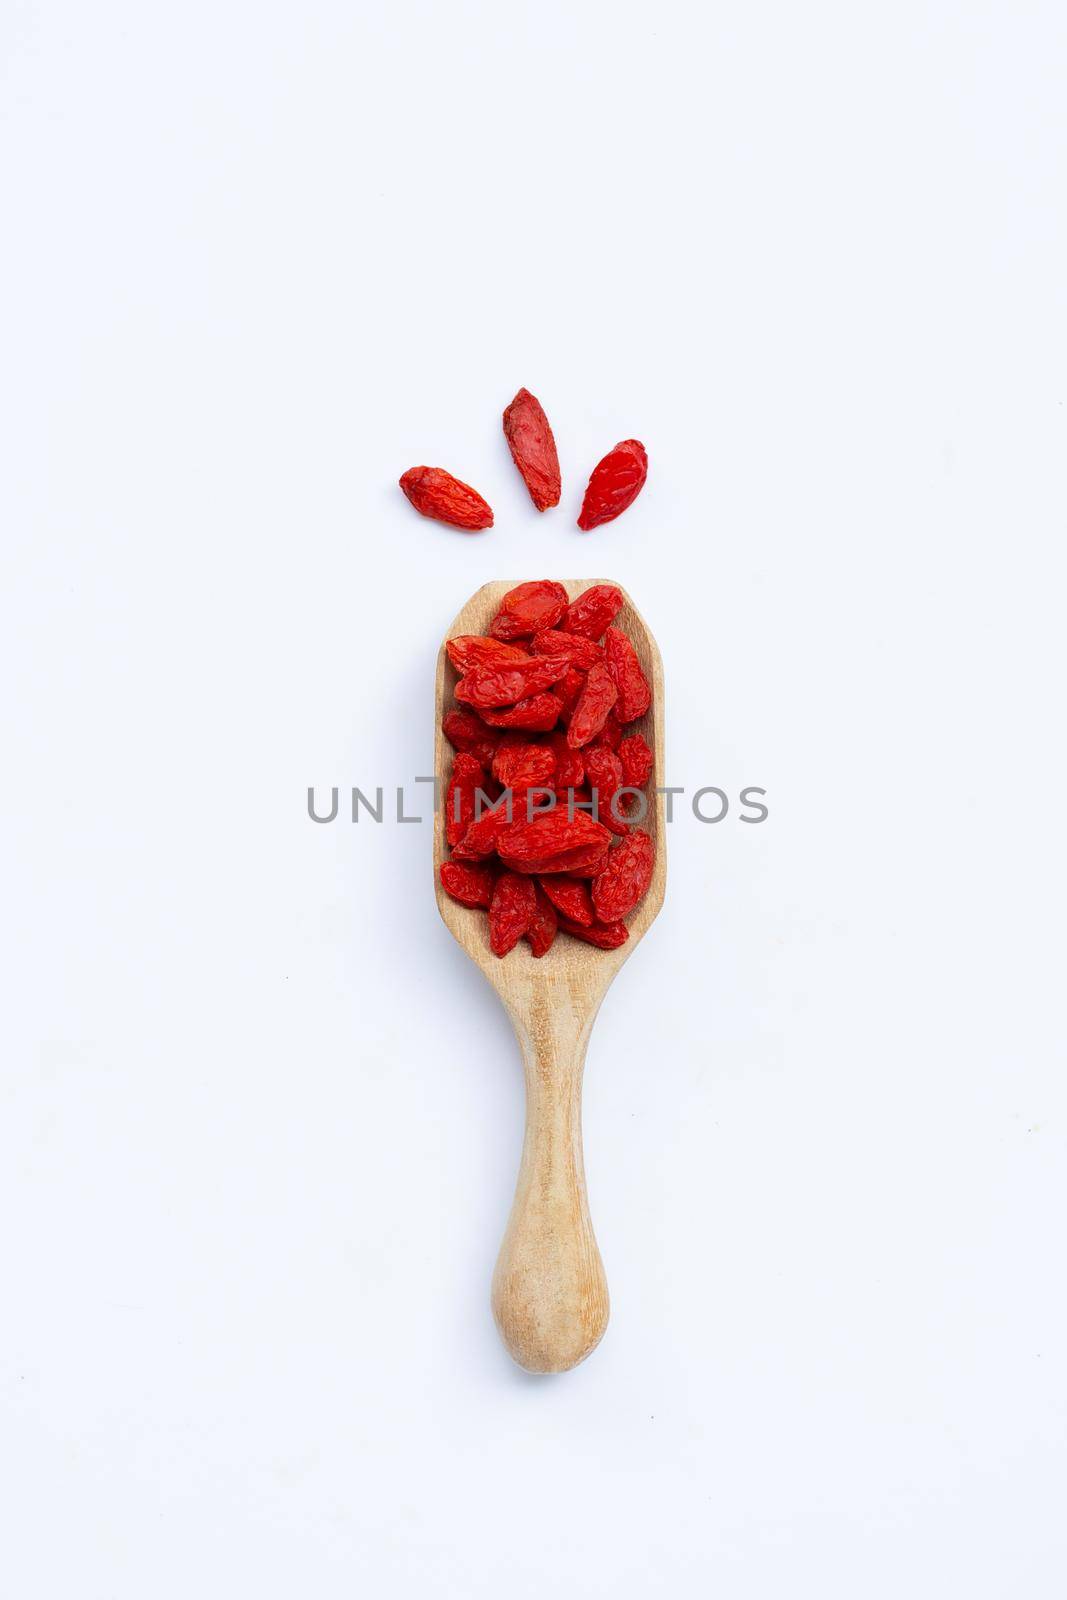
point(550, 1295)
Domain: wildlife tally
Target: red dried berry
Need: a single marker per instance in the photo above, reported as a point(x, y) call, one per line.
point(637, 761)
point(494, 686)
point(552, 842)
point(467, 777)
point(603, 771)
point(469, 650)
point(595, 701)
point(570, 768)
point(571, 897)
point(529, 608)
point(511, 911)
point(481, 837)
point(543, 925)
point(626, 877)
point(520, 765)
point(606, 936)
point(533, 449)
point(611, 733)
point(593, 610)
point(599, 805)
point(466, 731)
point(578, 651)
point(538, 714)
point(436, 493)
point(592, 867)
point(614, 484)
point(635, 696)
point(567, 691)
point(471, 886)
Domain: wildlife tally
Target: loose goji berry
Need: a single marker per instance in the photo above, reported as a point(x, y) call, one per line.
point(587, 862)
point(603, 771)
point(637, 761)
point(593, 610)
point(538, 714)
point(533, 449)
point(567, 691)
point(626, 877)
point(591, 867)
point(464, 730)
point(595, 701)
point(511, 911)
point(471, 886)
point(494, 686)
point(480, 838)
point(570, 768)
point(599, 806)
point(436, 493)
point(578, 651)
point(635, 696)
point(611, 733)
point(614, 484)
point(552, 842)
point(467, 777)
point(543, 925)
point(606, 936)
point(571, 897)
point(528, 608)
point(468, 650)
point(519, 765)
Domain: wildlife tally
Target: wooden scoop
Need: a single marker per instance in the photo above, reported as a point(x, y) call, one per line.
point(550, 1296)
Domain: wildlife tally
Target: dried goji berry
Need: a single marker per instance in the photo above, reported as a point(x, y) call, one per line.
point(614, 484)
point(471, 886)
point(626, 877)
point(570, 768)
point(578, 651)
point(590, 867)
point(538, 714)
point(599, 805)
point(528, 608)
point(543, 924)
point(436, 493)
point(571, 897)
point(464, 730)
point(552, 842)
point(567, 691)
point(468, 650)
point(587, 862)
point(480, 838)
point(519, 765)
point(593, 610)
point(637, 761)
point(533, 449)
point(606, 936)
point(595, 701)
point(466, 779)
point(611, 733)
point(493, 686)
point(511, 911)
point(603, 771)
point(635, 696)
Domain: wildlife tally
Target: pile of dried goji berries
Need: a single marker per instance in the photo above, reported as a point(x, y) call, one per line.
point(615, 482)
point(547, 785)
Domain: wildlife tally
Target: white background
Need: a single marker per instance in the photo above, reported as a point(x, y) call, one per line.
point(260, 1119)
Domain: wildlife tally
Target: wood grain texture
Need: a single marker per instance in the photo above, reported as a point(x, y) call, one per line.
point(549, 1294)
